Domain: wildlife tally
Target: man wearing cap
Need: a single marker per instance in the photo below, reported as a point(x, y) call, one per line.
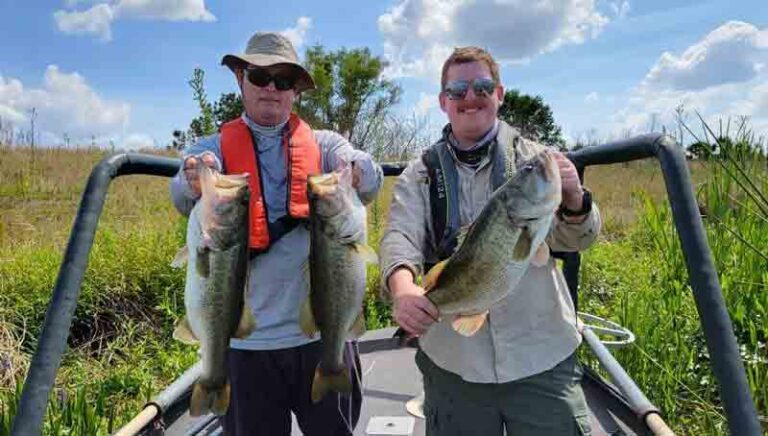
point(271, 371)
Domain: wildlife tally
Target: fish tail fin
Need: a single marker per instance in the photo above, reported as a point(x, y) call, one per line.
point(325, 382)
point(205, 400)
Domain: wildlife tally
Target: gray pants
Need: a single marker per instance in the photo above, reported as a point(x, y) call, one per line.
point(550, 403)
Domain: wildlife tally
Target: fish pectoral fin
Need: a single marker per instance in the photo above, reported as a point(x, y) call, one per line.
point(324, 383)
point(430, 280)
point(523, 246)
point(468, 325)
point(181, 258)
point(184, 333)
point(541, 257)
point(358, 327)
point(307, 319)
point(366, 252)
point(203, 264)
point(247, 324)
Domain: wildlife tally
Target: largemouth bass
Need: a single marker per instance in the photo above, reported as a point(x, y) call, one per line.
point(337, 275)
point(498, 246)
point(214, 296)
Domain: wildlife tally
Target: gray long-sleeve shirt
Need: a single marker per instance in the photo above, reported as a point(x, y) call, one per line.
point(529, 331)
point(277, 286)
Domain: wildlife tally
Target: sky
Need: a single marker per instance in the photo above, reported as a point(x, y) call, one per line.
point(116, 71)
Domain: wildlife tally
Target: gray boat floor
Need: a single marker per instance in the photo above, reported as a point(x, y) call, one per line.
point(391, 378)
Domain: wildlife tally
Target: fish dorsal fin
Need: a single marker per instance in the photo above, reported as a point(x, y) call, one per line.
point(358, 327)
point(306, 275)
point(247, 323)
point(462, 235)
point(181, 258)
point(307, 319)
point(468, 325)
point(430, 280)
point(523, 246)
point(183, 333)
point(366, 252)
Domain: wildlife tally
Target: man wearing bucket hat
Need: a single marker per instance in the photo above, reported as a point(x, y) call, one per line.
point(270, 371)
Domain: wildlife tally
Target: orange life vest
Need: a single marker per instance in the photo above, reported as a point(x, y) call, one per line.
point(302, 158)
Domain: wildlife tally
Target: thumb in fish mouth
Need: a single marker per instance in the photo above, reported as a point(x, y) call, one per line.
point(323, 184)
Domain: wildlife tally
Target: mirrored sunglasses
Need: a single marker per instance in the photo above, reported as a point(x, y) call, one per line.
point(457, 89)
point(261, 78)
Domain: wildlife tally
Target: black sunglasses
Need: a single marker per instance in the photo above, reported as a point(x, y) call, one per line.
point(261, 78)
point(457, 89)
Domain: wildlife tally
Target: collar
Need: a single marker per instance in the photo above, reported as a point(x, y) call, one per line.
point(477, 155)
point(264, 131)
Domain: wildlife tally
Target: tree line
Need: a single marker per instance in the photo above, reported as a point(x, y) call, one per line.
point(354, 99)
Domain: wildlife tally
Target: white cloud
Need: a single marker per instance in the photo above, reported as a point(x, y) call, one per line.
point(10, 93)
point(98, 19)
point(620, 8)
point(720, 76)
point(136, 141)
point(419, 34)
point(734, 52)
point(65, 104)
point(297, 34)
point(591, 97)
point(172, 10)
point(426, 103)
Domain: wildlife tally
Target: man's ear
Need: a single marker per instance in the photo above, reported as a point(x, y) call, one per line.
point(442, 101)
point(500, 93)
point(239, 75)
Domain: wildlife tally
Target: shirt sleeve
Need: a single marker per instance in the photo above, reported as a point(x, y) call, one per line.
point(182, 196)
point(336, 149)
point(566, 236)
point(404, 241)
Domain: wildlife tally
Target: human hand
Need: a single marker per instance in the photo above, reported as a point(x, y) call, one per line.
point(190, 169)
point(412, 310)
point(573, 193)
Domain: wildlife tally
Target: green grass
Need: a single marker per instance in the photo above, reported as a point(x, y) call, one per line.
point(648, 292)
point(120, 348)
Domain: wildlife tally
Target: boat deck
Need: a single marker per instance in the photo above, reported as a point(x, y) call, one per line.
point(391, 378)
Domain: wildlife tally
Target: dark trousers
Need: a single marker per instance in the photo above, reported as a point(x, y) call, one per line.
point(266, 386)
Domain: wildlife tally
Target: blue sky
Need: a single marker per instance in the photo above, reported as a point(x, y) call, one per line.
point(117, 70)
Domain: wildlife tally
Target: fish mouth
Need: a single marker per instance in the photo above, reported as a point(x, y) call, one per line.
point(549, 163)
point(225, 186)
point(324, 184)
